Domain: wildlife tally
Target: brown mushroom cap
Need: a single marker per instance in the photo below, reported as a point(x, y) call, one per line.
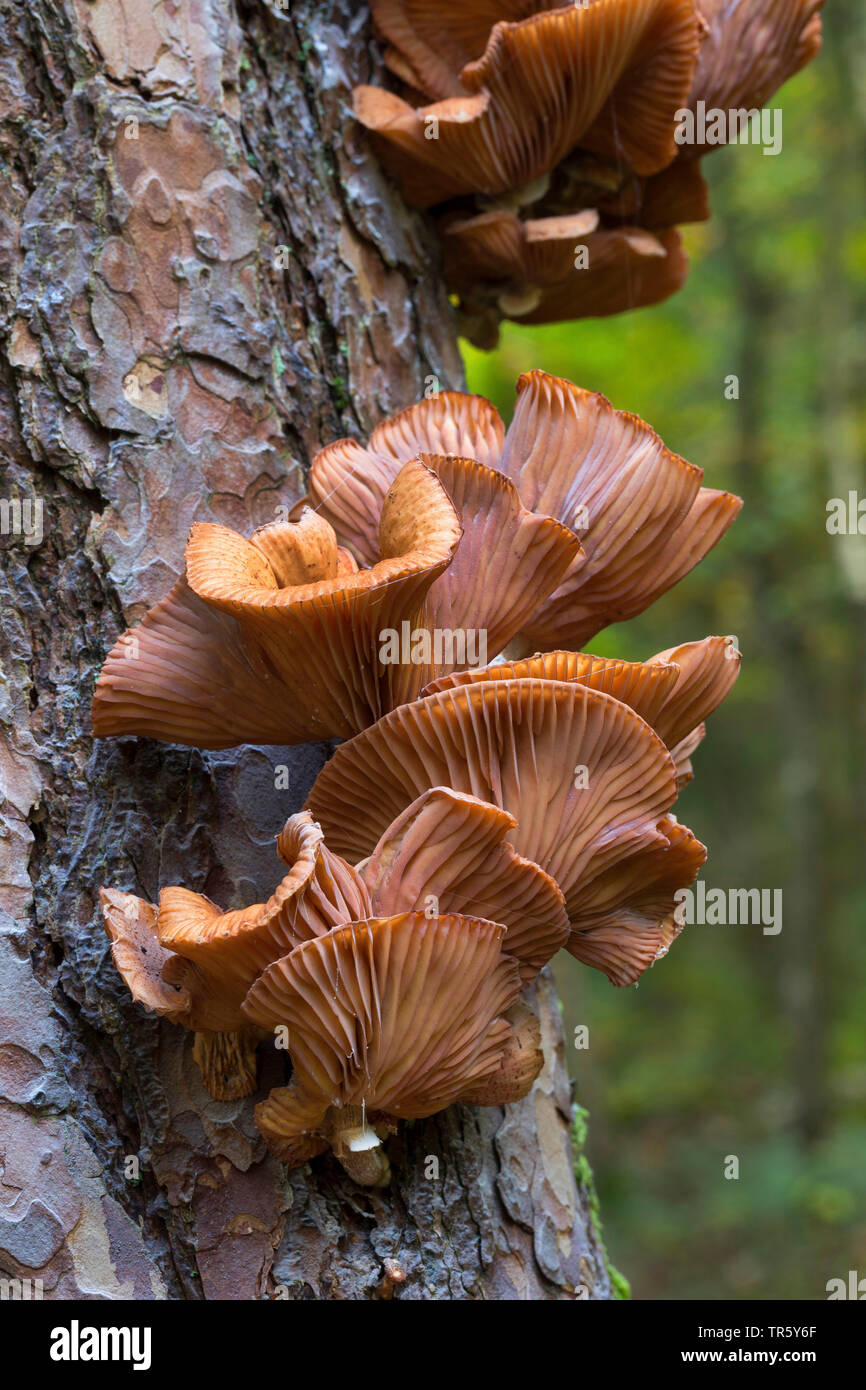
point(275, 639)
point(451, 851)
point(348, 482)
point(527, 268)
point(224, 1047)
point(674, 691)
point(627, 915)
point(159, 979)
point(573, 458)
point(231, 949)
point(750, 49)
point(605, 837)
point(508, 558)
point(519, 1064)
point(508, 561)
point(516, 744)
point(194, 963)
point(400, 1015)
point(570, 455)
point(708, 670)
point(643, 686)
point(608, 77)
point(430, 43)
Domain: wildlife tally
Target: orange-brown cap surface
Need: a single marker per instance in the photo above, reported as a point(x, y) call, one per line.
point(275, 639)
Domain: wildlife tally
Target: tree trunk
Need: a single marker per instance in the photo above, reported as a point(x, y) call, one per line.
point(204, 277)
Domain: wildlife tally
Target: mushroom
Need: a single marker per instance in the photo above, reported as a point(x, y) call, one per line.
point(673, 197)
point(628, 913)
point(553, 268)
point(608, 77)
point(196, 966)
point(388, 1019)
point(642, 516)
point(429, 45)
point(548, 111)
point(588, 782)
point(193, 964)
point(275, 639)
point(749, 51)
point(348, 482)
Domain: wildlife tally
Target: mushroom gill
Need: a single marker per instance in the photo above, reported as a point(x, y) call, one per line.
point(193, 964)
point(544, 270)
point(388, 1019)
point(548, 111)
point(675, 691)
point(588, 782)
point(608, 77)
point(450, 852)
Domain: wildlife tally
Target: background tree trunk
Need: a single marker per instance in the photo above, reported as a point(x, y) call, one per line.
point(203, 277)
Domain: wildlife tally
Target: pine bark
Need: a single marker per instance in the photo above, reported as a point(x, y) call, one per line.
point(204, 276)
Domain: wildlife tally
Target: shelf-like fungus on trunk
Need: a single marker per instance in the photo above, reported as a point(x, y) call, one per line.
point(589, 784)
point(607, 77)
point(447, 856)
point(674, 691)
point(549, 114)
point(524, 269)
point(451, 852)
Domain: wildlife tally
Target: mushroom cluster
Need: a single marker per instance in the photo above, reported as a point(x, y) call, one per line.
point(481, 814)
point(560, 143)
point(446, 524)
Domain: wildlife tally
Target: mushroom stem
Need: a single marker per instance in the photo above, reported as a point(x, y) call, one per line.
point(227, 1062)
point(358, 1147)
point(518, 648)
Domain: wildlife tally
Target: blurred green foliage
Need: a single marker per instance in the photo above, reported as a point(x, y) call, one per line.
point(739, 1043)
